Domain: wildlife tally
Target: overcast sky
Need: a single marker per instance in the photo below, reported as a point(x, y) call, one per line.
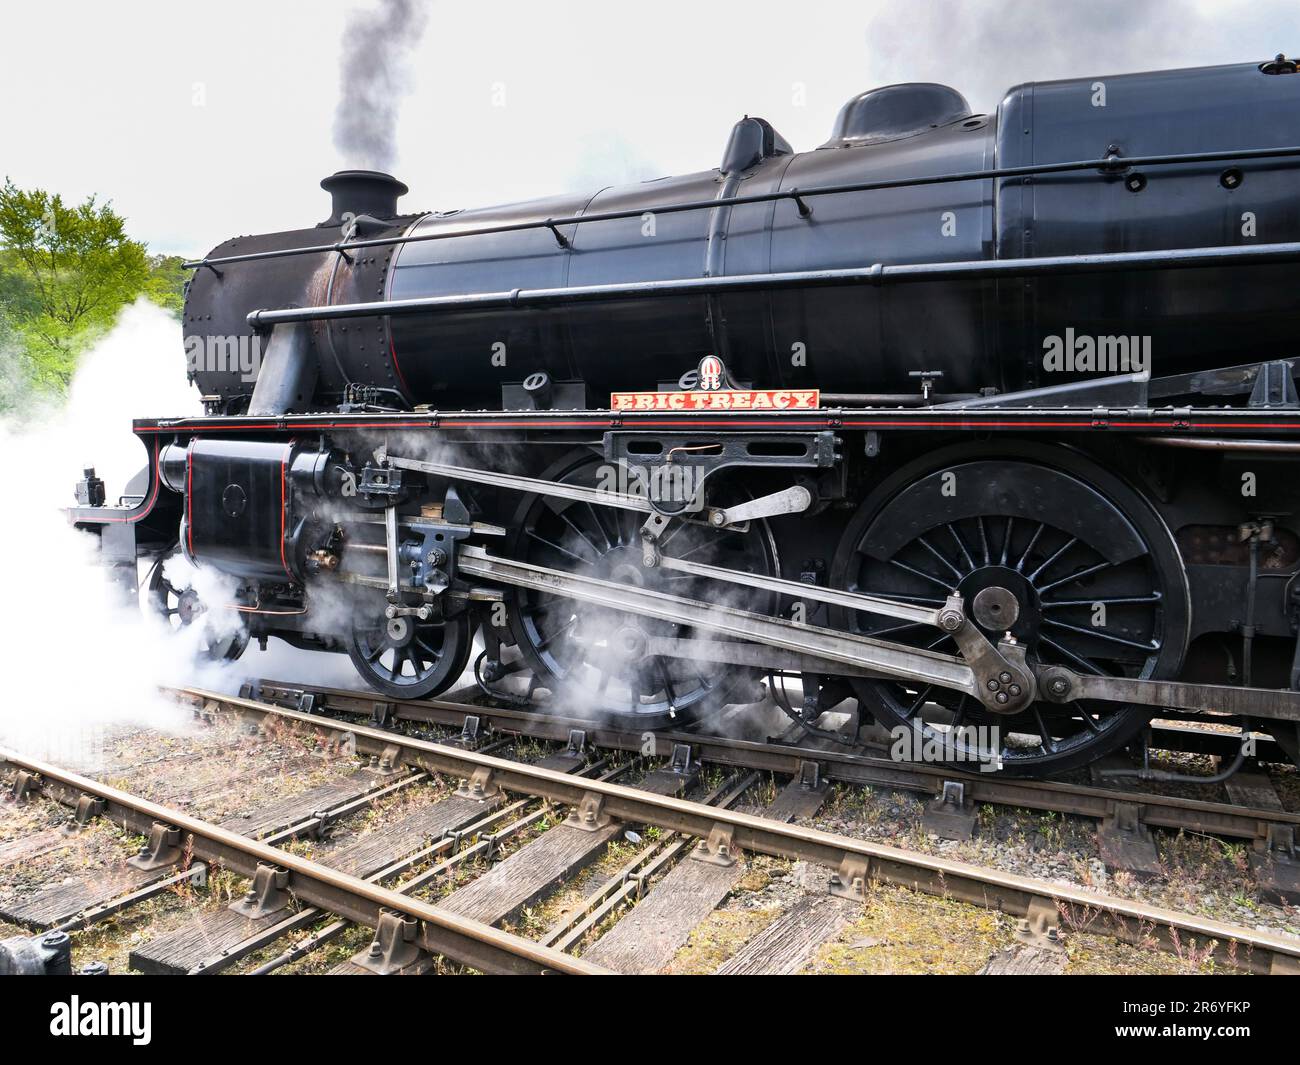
point(201, 122)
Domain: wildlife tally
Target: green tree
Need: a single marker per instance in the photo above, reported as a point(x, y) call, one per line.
point(70, 271)
point(167, 280)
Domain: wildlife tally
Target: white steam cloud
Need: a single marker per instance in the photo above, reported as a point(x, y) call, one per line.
point(80, 661)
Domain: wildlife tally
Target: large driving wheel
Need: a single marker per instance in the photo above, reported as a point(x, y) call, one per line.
point(596, 661)
point(1041, 543)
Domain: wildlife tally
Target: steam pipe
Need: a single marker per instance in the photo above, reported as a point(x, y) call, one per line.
point(875, 276)
point(288, 373)
point(1112, 165)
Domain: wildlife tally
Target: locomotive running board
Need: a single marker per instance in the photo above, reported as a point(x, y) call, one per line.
point(878, 656)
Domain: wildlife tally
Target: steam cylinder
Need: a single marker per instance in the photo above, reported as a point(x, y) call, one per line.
point(979, 333)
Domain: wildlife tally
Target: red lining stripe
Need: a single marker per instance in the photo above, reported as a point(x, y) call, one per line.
point(965, 423)
point(189, 500)
point(145, 507)
point(284, 506)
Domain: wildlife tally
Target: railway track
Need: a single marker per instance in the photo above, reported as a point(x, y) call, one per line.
point(1250, 810)
point(675, 874)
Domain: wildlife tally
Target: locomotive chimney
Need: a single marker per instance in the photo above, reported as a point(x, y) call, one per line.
point(362, 192)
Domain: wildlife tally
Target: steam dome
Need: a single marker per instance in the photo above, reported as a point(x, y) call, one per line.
point(896, 111)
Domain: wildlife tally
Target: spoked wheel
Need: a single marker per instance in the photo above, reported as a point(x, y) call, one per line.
point(1040, 543)
point(598, 661)
point(406, 657)
point(180, 607)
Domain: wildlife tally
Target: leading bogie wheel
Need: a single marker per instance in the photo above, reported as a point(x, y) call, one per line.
point(170, 593)
point(407, 657)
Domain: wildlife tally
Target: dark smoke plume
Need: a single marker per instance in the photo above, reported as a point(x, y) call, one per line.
point(377, 44)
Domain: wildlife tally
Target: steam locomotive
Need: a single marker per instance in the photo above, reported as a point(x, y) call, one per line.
point(979, 425)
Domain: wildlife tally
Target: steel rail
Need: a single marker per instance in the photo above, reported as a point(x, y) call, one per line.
point(874, 276)
point(469, 942)
point(308, 826)
point(1110, 166)
point(1160, 811)
point(265, 936)
point(1128, 920)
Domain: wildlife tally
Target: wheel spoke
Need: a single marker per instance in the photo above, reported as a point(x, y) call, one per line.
point(1006, 541)
point(1045, 742)
point(1086, 664)
point(961, 545)
point(1087, 717)
point(1071, 578)
point(667, 538)
point(1053, 557)
point(929, 547)
point(582, 536)
point(959, 714)
point(698, 547)
point(1033, 541)
point(409, 655)
point(920, 573)
point(600, 525)
point(546, 642)
point(1113, 600)
point(1101, 634)
point(556, 547)
point(919, 701)
point(669, 692)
